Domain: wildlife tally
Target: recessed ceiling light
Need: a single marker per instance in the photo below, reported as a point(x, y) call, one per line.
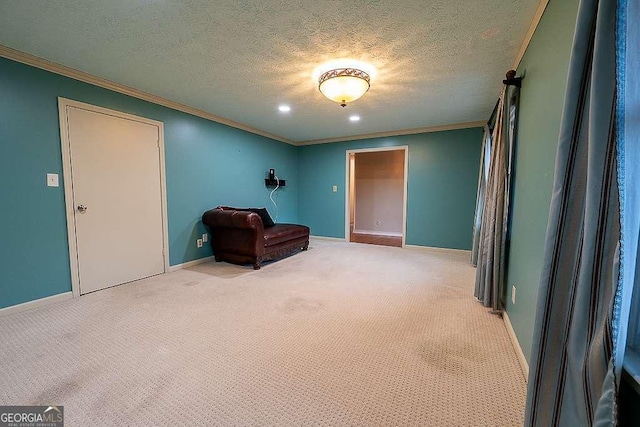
point(354, 118)
point(284, 108)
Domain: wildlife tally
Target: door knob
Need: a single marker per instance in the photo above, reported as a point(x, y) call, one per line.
point(82, 208)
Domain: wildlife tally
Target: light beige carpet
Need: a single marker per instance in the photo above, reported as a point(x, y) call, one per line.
point(344, 334)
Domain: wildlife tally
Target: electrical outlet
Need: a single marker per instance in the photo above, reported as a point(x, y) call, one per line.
point(378, 222)
point(199, 243)
point(513, 294)
point(335, 188)
point(205, 237)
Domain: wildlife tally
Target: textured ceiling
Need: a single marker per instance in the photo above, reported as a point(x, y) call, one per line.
point(437, 62)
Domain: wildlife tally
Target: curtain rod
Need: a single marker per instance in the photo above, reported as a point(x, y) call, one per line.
point(512, 80)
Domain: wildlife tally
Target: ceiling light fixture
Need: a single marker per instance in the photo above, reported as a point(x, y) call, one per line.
point(284, 108)
point(343, 85)
point(354, 118)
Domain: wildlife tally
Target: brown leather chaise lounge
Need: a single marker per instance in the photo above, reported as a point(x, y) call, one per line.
point(240, 237)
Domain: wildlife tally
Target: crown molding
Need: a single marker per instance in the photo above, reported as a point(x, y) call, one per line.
point(399, 132)
point(34, 61)
point(532, 29)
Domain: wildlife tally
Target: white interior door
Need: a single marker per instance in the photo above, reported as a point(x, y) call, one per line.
point(117, 194)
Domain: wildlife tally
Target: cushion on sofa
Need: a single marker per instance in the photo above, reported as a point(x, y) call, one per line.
point(283, 232)
point(264, 215)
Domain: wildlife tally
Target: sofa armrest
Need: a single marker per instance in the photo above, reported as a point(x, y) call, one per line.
point(229, 218)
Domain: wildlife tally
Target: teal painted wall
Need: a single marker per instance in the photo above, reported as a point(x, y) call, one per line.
point(442, 185)
point(207, 164)
point(545, 65)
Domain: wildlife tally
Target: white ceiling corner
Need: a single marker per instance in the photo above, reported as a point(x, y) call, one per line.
point(438, 62)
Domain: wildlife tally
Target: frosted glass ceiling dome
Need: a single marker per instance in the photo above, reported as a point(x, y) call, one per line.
point(344, 85)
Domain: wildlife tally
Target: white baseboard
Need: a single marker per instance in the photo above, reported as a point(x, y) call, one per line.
point(434, 249)
point(330, 239)
point(190, 263)
point(516, 346)
point(378, 233)
point(35, 303)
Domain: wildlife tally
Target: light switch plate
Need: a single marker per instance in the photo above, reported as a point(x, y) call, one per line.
point(52, 180)
point(335, 188)
point(205, 237)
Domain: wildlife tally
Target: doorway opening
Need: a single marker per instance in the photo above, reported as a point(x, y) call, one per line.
point(376, 196)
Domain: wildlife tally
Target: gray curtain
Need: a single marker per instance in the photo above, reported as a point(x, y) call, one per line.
point(629, 108)
point(583, 306)
point(494, 224)
point(483, 175)
point(489, 264)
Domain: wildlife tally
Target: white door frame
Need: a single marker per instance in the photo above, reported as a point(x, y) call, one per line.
point(63, 104)
point(347, 216)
